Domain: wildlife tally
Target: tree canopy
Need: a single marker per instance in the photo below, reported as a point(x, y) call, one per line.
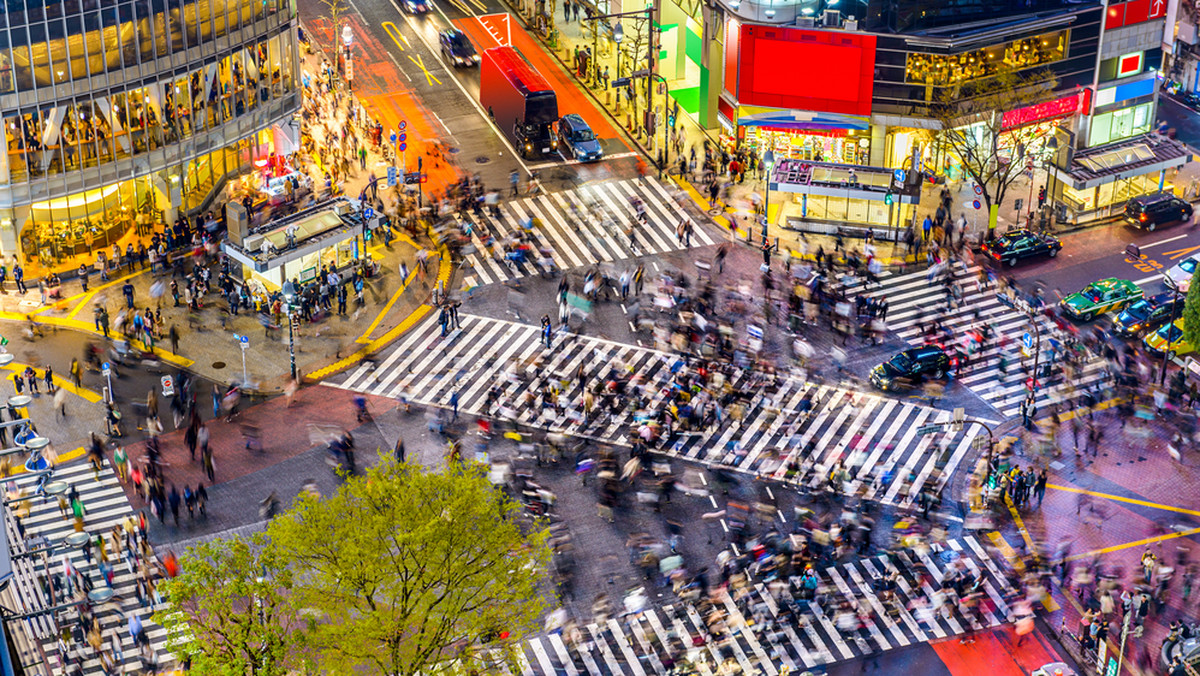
point(971, 116)
point(400, 571)
point(229, 611)
point(1191, 316)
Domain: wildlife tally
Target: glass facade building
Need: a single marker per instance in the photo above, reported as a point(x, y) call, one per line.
point(121, 115)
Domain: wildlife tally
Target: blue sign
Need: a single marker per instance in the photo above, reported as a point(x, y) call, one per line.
point(899, 175)
point(403, 125)
point(245, 340)
point(391, 176)
point(976, 204)
point(1027, 340)
point(369, 213)
point(394, 137)
point(106, 368)
point(403, 137)
point(404, 146)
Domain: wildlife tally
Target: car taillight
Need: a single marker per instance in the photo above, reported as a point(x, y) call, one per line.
point(1143, 217)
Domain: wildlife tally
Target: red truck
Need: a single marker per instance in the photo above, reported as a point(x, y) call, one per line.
point(519, 100)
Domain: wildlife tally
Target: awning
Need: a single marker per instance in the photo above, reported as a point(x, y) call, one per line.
point(1137, 156)
point(799, 120)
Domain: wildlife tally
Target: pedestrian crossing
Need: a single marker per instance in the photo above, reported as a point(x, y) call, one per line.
point(912, 300)
point(794, 430)
point(45, 527)
point(767, 630)
point(574, 232)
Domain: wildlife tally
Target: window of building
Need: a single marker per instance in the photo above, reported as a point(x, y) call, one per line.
point(941, 70)
point(1120, 124)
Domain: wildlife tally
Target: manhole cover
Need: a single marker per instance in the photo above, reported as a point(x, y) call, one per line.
point(218, 364)
point(482, 159)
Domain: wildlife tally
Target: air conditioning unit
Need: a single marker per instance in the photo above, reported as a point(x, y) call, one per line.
point(831, 19)
point(252, 243)
point(850, 24)
point(806, 22)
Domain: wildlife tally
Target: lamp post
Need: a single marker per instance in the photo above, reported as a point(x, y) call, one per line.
point(289, 296)
point(1135, 252)
point(768, 159)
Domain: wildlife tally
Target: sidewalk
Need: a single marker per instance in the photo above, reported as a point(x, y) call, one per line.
point(208, 346)
point(1115, 505)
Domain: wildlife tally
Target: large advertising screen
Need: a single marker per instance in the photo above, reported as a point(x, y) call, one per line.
point(825, 71)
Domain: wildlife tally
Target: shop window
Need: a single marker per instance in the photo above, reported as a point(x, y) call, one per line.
point(941, 70)
point(1119, 124)
point(6, 64)
point(14, 144)
point(76, 52)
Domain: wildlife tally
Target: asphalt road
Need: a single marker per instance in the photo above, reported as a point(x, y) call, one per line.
point(1184, 120)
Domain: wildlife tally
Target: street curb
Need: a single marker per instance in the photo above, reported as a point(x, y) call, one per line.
point(516, 11)
point(445, 270)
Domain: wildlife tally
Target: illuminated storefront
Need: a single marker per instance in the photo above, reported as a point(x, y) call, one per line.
point(146, 135)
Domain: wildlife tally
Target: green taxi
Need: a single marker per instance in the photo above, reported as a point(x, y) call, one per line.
point(1105, 295)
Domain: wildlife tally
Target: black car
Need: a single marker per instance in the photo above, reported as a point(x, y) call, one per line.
point(1147, 314)
point(910, 366)
point(1155, 209)
point(1014, 245)
point(457, 49)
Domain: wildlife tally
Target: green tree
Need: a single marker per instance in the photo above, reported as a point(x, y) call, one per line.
point(408, 572)
point(228, 610)
point(1191, 316)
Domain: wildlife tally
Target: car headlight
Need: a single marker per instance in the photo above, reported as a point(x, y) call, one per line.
point(528, 146)
point(554, 144)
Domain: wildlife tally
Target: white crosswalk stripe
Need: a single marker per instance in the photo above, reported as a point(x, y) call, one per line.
point(575, 238)
point(878, 440)
point(768, 629)
point(913, 301)
point(106, 506)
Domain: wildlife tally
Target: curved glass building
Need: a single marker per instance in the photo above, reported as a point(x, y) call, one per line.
point(121, 115)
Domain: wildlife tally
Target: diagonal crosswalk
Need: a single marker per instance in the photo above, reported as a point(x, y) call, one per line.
point(765, 627)
point(106, 506)
point(574, 230)
point(791, 429)
point(912, 300)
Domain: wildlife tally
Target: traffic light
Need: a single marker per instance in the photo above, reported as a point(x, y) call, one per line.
point(888, 198)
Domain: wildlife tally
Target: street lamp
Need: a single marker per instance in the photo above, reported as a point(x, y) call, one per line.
point(768, 159)
point(289, 296)
point(1135, 252)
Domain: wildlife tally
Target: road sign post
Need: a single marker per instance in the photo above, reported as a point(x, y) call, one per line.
point(168, 386)
point(106, 371)
point(244, 343)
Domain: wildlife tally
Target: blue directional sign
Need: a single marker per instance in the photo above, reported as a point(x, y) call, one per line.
point(899, 175)
point(1027, 340)
point(369, 213)
point(391, 176)
point(394, 137)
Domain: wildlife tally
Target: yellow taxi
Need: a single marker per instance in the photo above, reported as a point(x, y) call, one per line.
point(1168, 338)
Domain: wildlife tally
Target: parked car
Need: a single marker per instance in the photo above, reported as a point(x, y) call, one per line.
point(1168, 338)
point(910, 366)
point(1155, 209)
point(1106, 295)
point(1179, 275)
point(1015, 245)
point(457, 49)
point(1147, 314)
point(576, 137)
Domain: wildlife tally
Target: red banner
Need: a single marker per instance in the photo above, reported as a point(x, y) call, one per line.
point(1040, 111)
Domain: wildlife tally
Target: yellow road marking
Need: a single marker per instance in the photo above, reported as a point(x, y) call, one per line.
point(83, 298)
point(1011, 554)
point(1135, 543)
point(429, 77)
point(1020, 523)
point(482, 5)
point(444, 273)
point(394, 33)
point(1180, 253)
point(1118, 498)
point(366, 336)
point(90, 396)
point(462, 7)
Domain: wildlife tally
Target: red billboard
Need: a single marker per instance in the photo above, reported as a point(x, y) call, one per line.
point(823, 71)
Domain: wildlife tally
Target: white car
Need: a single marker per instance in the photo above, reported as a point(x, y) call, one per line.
point(1054, 669)
point(1180, 276)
